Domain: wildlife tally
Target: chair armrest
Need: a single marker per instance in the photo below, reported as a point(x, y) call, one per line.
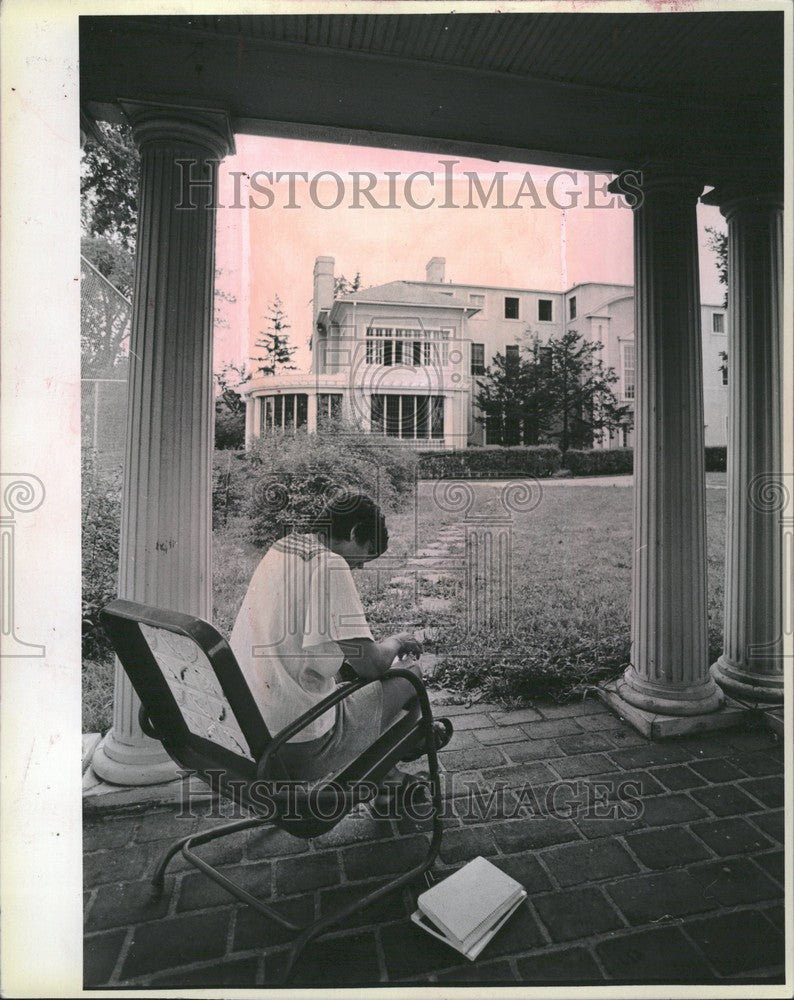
point(343, 691)
point(146, 724)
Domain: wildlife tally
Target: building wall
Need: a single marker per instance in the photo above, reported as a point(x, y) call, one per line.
point(604, 314)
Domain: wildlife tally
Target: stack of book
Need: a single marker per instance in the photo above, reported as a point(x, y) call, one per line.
point(468, 908)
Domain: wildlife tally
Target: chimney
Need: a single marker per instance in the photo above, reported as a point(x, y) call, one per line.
point(323, 285)
point(435, 270)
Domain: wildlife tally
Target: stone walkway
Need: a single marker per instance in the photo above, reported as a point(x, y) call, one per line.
point(645, 862)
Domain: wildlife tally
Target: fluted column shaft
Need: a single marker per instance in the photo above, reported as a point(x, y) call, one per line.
point(166, 555)
point(751, 665)
point(669, 671)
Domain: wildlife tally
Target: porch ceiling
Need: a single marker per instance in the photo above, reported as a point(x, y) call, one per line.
point(587, 90)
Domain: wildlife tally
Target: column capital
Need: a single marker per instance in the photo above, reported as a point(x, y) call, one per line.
point(762, 193)
point(657, 177)
point(152, 122)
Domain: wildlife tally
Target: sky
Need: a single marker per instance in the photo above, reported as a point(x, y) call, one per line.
point(549, 230)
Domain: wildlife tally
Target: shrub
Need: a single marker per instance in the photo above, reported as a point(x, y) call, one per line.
point(232, 481)
point(101, 524)
point(229, 428)
point(490, 462)
point(599, 461)
point(548, 654)
point(716, 458)
point(294, 476)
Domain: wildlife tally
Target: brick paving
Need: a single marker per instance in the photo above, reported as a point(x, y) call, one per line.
point(645, 863)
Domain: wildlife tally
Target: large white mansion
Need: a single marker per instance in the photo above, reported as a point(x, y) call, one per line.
point(401, 359)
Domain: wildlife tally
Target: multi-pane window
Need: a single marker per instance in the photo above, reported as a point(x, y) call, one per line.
point(572, 307)
point(511, 307)
point(718, 322)
point(477, 301)
point(544, 310)
point(511, 354)
point(329, 406)
point(407, 417)
point(478, 359)
point(391, 346)
point(628, 369)
point(286, 412)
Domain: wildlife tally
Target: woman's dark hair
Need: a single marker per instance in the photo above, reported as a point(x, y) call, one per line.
point(349, 510)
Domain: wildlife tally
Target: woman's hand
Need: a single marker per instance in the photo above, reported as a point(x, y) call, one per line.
point(409, 645)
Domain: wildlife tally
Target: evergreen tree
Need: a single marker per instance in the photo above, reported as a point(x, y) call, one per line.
point(274, 342)
point(342, 286)
point(556, 391)
point(580, 391)
point(512, 398)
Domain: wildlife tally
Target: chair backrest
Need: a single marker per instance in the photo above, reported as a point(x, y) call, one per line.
point(191, 687)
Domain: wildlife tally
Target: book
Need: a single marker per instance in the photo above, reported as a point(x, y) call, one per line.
point(468, 908)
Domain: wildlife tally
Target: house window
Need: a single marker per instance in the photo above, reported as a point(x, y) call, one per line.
point(477, 301)
point(628, 369)
point(511, 307)
point(411, 347)
point(718, 322)
point(478, 359)
point(572, 307)
point(544, 310)
point(283, 413)
point(511, 354)
point(409, 418)
point(329, 406)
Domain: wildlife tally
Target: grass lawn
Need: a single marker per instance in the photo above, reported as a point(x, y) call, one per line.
point(568, 597)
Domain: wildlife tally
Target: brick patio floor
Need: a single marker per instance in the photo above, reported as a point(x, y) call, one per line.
point(690, 891)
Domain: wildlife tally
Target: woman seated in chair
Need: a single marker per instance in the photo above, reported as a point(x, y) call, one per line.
point(301, 618)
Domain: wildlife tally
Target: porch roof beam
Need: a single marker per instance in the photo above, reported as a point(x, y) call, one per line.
point(310, 92)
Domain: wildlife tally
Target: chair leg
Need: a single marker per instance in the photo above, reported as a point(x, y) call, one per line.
point(232, 887)
point(158, 879)
point(324, 923)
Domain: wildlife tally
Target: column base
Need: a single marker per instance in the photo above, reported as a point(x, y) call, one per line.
point(747, 686)
point(654, 724)
point(145, 763)
point(661, 699)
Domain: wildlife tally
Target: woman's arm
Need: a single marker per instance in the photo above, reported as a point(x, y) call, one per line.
point(372, 659)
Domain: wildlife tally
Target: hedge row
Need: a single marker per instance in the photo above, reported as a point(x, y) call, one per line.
point(598, 462)
point(543, 460)
point(490, 462)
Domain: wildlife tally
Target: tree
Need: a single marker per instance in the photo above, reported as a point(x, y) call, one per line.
point(105, 316)
point(274, 342)
point(512, 398)
point(109, 186)
point(717, 242)
point(580, 389)
point(556, 391)
point(230, 406)
point(342, 286)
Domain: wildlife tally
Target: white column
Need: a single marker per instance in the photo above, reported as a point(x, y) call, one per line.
point(250, 411)
point(669, 671)
point(311, 411)
point(751, 665)
point(166, 557)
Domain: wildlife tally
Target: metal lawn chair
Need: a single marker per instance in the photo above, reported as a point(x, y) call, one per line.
point(196, 702)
